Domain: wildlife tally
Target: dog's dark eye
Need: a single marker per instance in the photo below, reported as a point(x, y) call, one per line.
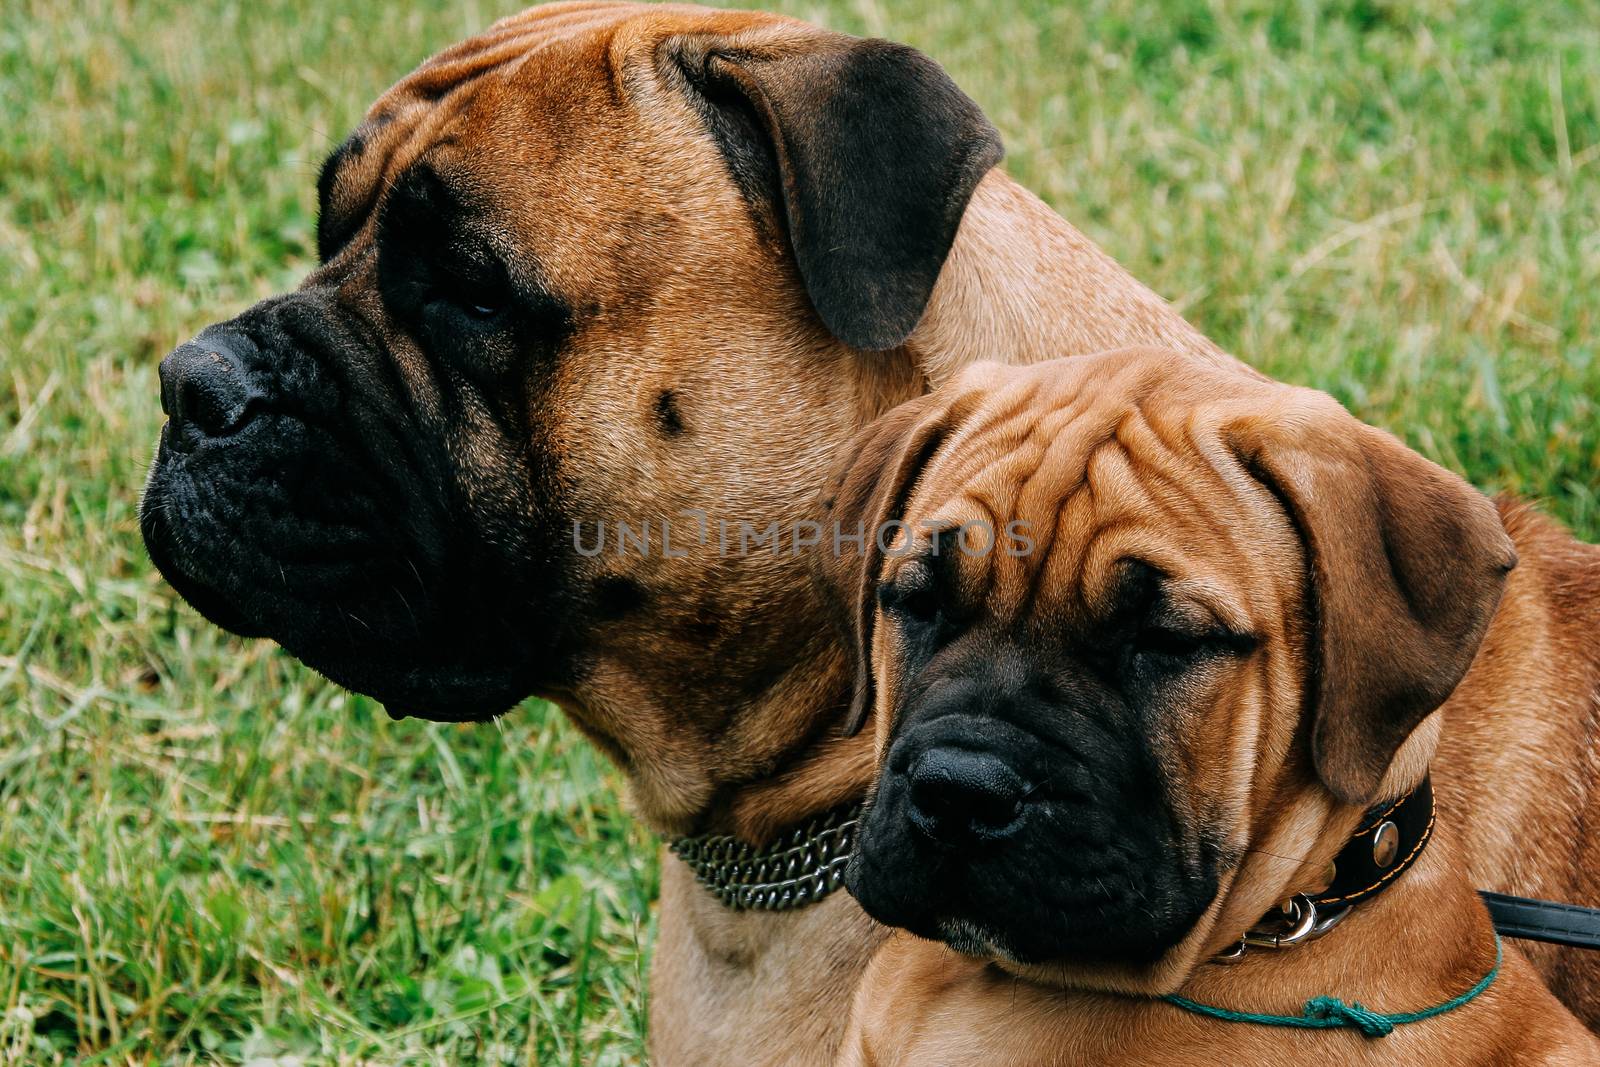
point(912, 594)
point(1161, 641)
point(483, 311)
point(477, 290)
point(451, 315)
point(1160, 648)
point(921, 604)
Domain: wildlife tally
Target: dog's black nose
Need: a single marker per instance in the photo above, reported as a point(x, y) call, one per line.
point(957, 795)
point(203, 388)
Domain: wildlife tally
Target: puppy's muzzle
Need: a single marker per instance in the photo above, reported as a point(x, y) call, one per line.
point(1027, 821)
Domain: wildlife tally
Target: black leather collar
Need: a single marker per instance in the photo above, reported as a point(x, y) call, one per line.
point(1390, 839)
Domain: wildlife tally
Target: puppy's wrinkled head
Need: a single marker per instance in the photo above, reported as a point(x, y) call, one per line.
point(1132, 633)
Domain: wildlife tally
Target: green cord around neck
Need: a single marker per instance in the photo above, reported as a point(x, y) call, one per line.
point(1331, 1013)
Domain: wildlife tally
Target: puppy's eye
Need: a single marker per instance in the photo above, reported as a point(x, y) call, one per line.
point(1166, 649)
point(913, 595)
point(1164, 641)
point(920, 604)
point(452, 314)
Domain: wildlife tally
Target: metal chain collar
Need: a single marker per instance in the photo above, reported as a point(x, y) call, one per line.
point(799, 868)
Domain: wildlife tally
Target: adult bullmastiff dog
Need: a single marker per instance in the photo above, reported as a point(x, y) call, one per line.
point(612, 263)
point(1159, 656)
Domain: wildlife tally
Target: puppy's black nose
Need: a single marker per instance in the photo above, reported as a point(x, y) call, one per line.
point(203, 388)
point(958, 795)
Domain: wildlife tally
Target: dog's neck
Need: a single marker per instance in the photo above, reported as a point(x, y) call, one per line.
point(1021, 285)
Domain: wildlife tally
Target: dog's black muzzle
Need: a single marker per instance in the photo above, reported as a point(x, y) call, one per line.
point(1009, 826)
point(298, 492)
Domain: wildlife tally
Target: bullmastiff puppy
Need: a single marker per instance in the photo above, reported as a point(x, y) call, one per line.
point(1158, 657)
point(612, 263)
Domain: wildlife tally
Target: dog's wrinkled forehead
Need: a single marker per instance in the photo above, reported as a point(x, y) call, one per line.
point(425, 110)
point(530, 86)
point(1078, 451)
point(1075, 484)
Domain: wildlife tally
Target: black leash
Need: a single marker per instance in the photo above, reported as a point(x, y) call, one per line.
point(1544, 920)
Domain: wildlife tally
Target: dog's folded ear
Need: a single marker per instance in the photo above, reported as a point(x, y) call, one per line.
point(1407, 563)
point(866, 495)
point(863, 150)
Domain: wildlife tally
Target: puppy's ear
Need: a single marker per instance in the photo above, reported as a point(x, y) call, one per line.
point(868, 490)
point(1407, 563)
point(864, 150)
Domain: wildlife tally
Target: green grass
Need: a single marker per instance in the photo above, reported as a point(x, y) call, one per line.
point(207, 854)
